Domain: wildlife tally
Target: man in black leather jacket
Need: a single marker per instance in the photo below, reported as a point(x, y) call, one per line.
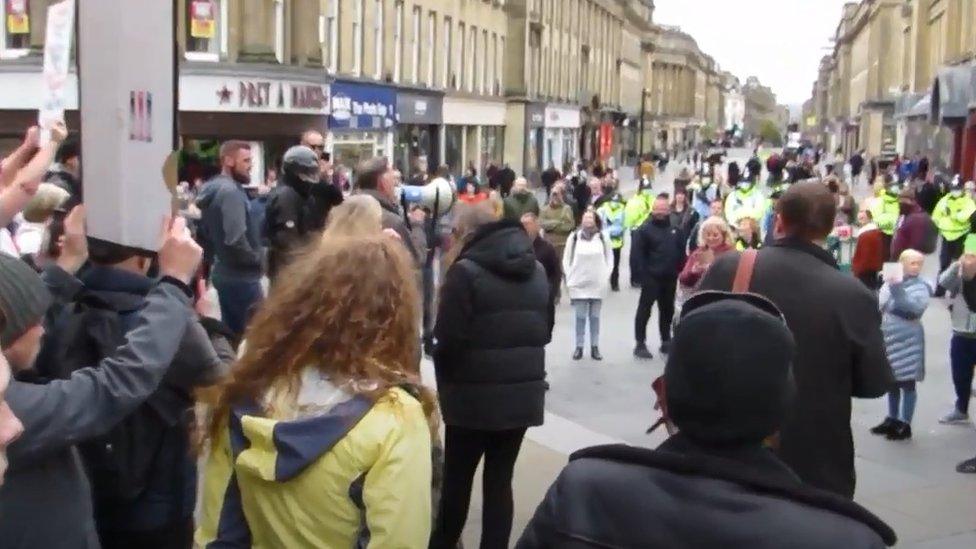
point(714, 484)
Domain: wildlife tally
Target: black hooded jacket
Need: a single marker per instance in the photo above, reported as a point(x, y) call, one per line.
point(684, 495)
point(289, 221)
point(492, 329)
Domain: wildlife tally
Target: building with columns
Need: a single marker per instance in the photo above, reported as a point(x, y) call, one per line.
point(464, 83)
point(760, 106)
point(903, 71)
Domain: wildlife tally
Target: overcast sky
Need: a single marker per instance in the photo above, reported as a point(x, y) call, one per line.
point(780, 41)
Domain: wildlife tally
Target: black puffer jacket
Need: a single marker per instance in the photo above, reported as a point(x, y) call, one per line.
point(492, 329)
point(682, 495)
point(656, 251)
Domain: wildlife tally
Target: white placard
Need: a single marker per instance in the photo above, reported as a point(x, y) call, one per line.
point(127, 84)
point(57, 58)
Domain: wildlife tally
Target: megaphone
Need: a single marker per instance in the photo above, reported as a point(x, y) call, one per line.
point(438, 196)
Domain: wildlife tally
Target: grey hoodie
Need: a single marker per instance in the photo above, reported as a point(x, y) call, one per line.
point(230, 236)
point(46, 499)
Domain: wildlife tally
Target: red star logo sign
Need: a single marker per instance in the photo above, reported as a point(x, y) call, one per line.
point(224, 95)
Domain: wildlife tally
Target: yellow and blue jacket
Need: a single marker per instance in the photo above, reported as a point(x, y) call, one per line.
point(356, 473)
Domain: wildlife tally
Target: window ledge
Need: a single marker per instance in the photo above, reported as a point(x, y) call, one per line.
point(7, 53)
point(202, 56)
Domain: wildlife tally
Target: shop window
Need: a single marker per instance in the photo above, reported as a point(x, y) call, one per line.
point(454, 147)
point(462, 52)
point(378, 39)
point(205, 29)
point(16, 29)
point(431, 40)
point(279, 27)
point(448, 63)
point(398, 41)
point(416, 45)
point(330, 35)
point(357, 39)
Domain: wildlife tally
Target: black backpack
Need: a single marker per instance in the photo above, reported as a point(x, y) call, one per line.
point(119, 463)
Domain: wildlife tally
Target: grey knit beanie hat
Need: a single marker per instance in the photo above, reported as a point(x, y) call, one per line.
point(23, 299)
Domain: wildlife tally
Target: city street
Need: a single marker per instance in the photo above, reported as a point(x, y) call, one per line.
point(911, 485)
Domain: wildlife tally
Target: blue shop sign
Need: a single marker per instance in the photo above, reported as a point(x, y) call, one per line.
point(362, 107)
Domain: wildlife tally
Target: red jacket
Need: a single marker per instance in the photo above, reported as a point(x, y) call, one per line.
point(689, 277)
point(869, 255)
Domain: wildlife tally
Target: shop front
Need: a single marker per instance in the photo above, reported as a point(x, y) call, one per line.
point(952, 93)
point(473, 134)
point(562, 126)
point(362, 122)
point(417, 145)
point(267, 106)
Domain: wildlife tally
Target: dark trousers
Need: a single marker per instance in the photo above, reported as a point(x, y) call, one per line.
point(463, 449)
point(871, 280)
point(962, 354)
point(178, 535)
point(238, 299)
point(660, 290)
point(428, 299)
point(615, 274)
point(950, 251)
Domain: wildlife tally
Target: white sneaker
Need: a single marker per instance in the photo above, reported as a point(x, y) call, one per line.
point(955, 417)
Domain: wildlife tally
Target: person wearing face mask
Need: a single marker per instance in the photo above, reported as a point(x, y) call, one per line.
point(288, 219)
point(703, 192)
point(745, 201)
point(612, 213)
point(914, 230)
point(885, 210)
point(655, 259)
point(557, 219)
point(952, 216)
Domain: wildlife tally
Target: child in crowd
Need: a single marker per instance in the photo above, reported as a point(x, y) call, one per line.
point(903, 300)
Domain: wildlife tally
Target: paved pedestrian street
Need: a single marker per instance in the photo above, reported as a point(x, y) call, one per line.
point(911, 485)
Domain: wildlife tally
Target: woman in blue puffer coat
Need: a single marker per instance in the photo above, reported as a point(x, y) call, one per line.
point(903, 302)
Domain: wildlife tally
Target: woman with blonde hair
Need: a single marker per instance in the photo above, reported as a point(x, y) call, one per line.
point(749, 236)
point(714, 239)
point(358, 215)
point(323, 431)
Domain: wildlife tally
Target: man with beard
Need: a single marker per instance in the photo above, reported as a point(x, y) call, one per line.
point(232, 236)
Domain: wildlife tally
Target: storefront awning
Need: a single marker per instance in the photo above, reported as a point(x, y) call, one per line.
point(922, 108)
point(952, 92)
point(905, 104)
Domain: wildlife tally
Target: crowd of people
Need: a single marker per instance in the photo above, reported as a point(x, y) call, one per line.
point(303, 402)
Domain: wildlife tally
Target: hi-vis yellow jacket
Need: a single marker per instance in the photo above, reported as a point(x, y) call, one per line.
point(357, 472)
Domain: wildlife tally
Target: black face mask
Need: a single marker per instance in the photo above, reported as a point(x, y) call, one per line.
point(660, 221)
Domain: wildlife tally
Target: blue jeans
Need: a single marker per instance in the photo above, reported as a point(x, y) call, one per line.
point(587, 308)
point(902, 409)
point(962, 354)
point(238, 299)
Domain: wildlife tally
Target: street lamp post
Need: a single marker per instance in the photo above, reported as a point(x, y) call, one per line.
point(643, 116)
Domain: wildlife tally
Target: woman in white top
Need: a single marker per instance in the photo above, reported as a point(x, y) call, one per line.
point(587, 263)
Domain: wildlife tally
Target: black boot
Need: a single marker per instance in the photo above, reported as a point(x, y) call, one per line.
point(595, 353)
point(902, 431)
point(665, 347)
point(642, 352)
point(578, 353)
point(885, 427)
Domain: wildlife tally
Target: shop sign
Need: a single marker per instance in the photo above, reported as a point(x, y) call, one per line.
point(535, 115)
point(214, 93)
point(419, 109)
point(18, 21)
point(362, 106)
point(202, 19)
point(562, 117)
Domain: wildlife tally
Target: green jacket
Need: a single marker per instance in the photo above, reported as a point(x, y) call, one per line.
point(517, 205)
point(558, 223)
point(637, 210)
point(613, 214)
point(952, 216)
point(885, 212)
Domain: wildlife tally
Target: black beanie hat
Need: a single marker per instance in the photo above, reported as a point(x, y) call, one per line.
point(23, 299)
point(729, 375)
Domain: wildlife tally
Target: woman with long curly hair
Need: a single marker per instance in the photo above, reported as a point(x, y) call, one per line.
point(321, 437)
point(492, 328)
